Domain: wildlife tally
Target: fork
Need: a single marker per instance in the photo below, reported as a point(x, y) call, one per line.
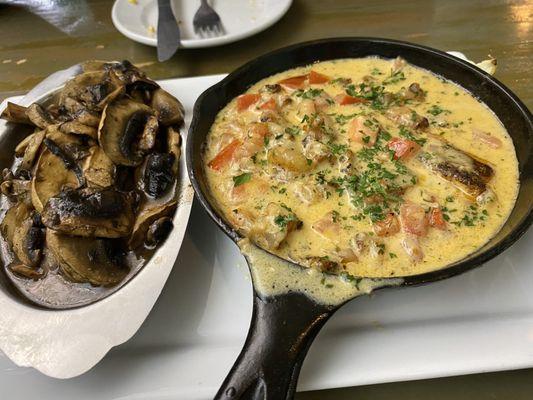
point(207, 22)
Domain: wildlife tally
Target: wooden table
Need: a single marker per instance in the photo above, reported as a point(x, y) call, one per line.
point(37, 40)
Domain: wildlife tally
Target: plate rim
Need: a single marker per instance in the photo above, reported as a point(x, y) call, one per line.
point(196, 43)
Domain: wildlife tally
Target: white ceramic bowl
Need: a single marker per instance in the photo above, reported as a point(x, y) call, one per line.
point(67, 343)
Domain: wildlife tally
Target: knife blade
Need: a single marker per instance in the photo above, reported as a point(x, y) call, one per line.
point(168, 31)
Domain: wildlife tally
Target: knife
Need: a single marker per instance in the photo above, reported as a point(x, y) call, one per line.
point(168, 31)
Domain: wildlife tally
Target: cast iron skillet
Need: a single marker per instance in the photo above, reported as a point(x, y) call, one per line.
point(283, 326)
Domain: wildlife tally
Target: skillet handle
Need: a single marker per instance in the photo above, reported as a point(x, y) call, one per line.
point(281, 331)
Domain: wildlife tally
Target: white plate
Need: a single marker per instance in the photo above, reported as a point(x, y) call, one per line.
point(478, 322)
point(241, 18)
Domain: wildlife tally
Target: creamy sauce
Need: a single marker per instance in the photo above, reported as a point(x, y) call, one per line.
point(284, 173)
point(273, 276)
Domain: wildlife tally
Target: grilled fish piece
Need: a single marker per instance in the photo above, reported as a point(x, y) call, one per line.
point(465, 172)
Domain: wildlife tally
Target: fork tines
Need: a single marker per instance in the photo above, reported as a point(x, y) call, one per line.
point(207, 22)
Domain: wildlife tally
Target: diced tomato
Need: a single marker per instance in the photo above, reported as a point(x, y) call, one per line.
point(359, 132)
point(413, 219)
point(246, 100)
point(295, 82)
point(403, 148)
point(388, 226)
point(225, 155)
point(269, 105)
point(344, 99)
point(436, 218)
point(316, 78)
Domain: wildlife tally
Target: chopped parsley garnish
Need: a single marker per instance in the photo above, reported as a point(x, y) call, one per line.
point(472, 216)
point(367, 154)
point(351, 279)
point(376, 71)
point(384, 135)
point(309, 94)
point(341, 81)
point(372, 93)
point(376, 183)
point(337, 148)
point(394, 77)
point(408, 135)
point(342, 119)
point(283, 220)
point(286, 207)
point(292, 130)
point(241, 179)
point(436, 110)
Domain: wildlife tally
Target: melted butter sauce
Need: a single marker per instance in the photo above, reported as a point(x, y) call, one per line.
point(463, 113)
point(273, 276)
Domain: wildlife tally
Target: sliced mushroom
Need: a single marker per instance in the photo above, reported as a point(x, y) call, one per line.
point(169, 110)
point(68, 155)
point(23, 144)
point(50, 176)
point(32, 150)
point(22, 230)
point(77, 128)
point(90, 213)
point(87, 118)
point(98, 168)
point(16, 188)
point(149, 134)
point(97, 261)
point(108, 133)
point(94, 89)
point(72, 106)
point(13, 218)
point(121, 126)
point(27, 272)
point(174, 147)
point(158, 177)
point(130, 75)
point(15, 113)
point(28, 240)
point(38, 116)
point(147, 215)
point(159, 231)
